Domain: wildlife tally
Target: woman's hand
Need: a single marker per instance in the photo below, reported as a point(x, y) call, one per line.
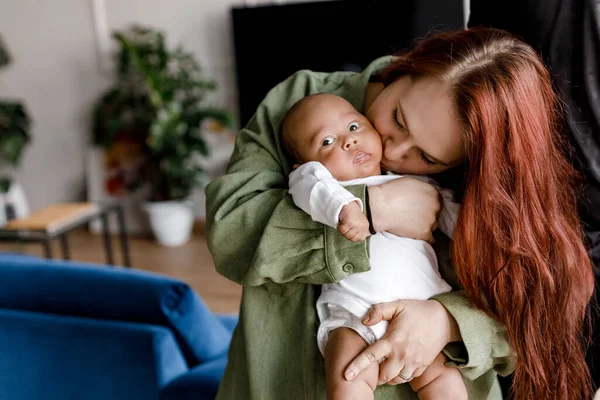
point(418, 331)
point(405, 207)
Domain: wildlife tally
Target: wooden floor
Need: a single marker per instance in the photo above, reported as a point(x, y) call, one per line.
point(191, 263)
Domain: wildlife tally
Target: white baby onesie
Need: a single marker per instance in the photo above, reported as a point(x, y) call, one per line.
point(401, 268)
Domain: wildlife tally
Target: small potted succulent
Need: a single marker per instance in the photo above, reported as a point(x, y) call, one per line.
point(160, 97)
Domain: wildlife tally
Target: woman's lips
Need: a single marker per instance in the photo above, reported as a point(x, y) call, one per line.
point(360, 157)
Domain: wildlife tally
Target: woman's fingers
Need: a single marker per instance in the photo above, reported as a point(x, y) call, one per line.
point(373, 353)
point(389, 370)
point(383, 311)
point(406, 374)
point(398, 379)
point(418, 372)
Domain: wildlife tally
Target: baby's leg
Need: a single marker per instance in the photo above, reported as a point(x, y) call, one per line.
point(342, 346)
point(440, 382)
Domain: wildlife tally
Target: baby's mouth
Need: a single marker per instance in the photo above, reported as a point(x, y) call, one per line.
point(360, 157)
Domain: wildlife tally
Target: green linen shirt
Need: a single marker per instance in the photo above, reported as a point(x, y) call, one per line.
point(261, 240)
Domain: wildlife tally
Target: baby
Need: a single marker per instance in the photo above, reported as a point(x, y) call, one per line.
point(333, 146)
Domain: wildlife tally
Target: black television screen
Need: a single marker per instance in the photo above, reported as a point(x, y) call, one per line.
point(272, 42)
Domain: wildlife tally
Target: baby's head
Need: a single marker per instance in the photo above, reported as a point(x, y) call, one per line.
point(327, 128)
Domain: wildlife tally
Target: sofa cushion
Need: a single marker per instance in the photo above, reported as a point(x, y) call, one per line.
point(52, 357)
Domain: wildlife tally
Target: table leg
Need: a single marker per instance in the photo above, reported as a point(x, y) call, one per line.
point(47, 247)
point(123, 234)
point(64, 242)
point(107, 241)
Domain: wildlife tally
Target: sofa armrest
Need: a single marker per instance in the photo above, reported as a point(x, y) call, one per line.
point(118, 294)
point(230, 321)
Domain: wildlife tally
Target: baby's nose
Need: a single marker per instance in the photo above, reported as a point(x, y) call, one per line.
point(350, 142)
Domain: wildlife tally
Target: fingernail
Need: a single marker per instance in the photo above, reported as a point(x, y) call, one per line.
point(366, 319)
point(350, 375)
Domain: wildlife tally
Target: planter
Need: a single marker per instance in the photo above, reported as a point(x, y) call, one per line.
point(171, 221)
point(13, 204)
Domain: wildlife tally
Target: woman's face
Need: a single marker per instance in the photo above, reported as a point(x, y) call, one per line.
point(418, 127)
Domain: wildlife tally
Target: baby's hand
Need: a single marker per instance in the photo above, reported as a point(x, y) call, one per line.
point(353, 224)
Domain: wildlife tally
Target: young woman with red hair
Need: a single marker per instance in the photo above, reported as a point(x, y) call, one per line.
point(518, 249)
point(477, 100)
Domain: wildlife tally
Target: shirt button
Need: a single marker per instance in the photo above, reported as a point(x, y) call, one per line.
point(347, 267)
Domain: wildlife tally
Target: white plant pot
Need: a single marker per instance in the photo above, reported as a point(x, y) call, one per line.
point(171, 221)
point(14, 199)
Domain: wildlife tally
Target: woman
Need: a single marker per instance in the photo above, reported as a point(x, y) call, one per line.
point(478, 96)
point(517, 240)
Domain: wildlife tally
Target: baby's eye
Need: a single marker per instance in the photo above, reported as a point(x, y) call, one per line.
point(353, 126)
point(327, 141)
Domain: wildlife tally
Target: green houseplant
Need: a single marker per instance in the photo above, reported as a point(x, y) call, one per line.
point(159, 99)
point(14, 138)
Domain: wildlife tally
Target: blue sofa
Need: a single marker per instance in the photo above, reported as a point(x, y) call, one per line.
point(80, 331)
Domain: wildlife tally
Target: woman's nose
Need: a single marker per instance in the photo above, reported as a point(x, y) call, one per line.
point(396, 150)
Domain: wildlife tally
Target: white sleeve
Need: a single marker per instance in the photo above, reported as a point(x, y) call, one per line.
point(449, 214)
point(450, 208)
point(315, 191)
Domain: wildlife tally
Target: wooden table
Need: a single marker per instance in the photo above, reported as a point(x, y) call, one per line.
point(57, 220)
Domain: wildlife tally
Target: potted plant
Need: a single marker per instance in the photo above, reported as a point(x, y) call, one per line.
point(14, 137)
point(160, 98)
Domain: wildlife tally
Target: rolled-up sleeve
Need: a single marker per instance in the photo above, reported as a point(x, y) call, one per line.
point(485, 343)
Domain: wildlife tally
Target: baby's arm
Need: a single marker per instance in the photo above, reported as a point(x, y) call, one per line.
point(316, 192)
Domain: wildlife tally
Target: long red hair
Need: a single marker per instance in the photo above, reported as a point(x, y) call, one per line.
point(518, 246)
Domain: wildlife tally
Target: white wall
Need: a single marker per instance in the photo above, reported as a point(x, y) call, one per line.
point(57, 73)
point(54, 72)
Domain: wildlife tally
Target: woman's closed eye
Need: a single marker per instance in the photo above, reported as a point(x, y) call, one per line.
point(395, 119)
point(425, 159)
point(422, 154)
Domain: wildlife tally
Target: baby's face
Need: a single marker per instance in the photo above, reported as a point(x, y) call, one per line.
point(328, 129)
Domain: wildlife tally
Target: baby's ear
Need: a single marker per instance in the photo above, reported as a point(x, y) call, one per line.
point(296, 166)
